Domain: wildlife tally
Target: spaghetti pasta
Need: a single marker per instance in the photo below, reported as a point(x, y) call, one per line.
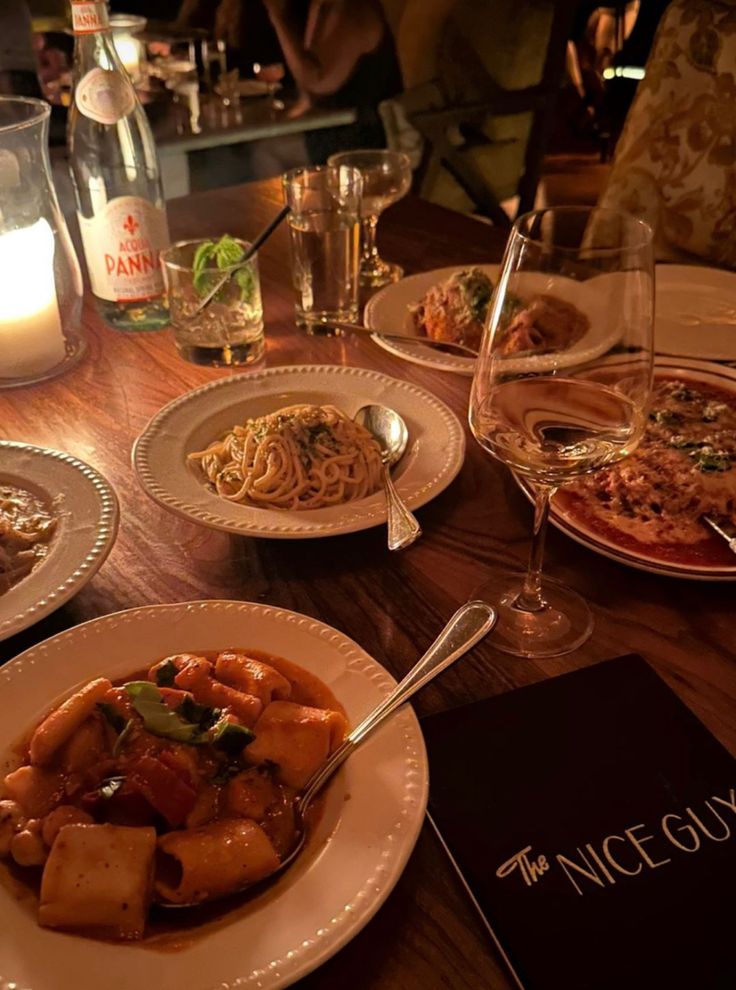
point(299, 457)
point(26, 526)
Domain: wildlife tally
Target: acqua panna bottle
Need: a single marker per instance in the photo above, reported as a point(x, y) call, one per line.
point(117, 180)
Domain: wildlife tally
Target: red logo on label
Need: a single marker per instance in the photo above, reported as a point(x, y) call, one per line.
point(131, 225)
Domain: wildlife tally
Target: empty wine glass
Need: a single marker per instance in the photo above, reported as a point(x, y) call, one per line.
point(386, 178)
point(561, 387)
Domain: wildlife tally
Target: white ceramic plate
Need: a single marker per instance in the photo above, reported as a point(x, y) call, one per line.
point(373, 813)
point(695, 312)
point(388, 310)
point(88, 520)
point(691, 371)
point(433, 457)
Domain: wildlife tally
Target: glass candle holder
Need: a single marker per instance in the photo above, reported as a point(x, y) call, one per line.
point(130, 49)
point(40, 280)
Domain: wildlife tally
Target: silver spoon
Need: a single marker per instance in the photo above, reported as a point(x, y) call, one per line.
point(392, 436)
point(443, 345)
point(467, 627)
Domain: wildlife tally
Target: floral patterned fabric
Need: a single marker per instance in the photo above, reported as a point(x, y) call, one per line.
point(675, 163)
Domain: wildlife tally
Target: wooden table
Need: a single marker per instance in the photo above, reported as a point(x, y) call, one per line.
point(427, 934)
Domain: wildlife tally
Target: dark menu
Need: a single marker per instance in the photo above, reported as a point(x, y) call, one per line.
point(592, 818)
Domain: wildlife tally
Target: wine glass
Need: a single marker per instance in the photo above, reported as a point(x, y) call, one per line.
point(561, 387)
point(272, 75)
point(386, 178)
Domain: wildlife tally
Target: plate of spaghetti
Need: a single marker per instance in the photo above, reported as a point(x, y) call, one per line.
point(299, 457)
point(277, 453)
point(58, 521)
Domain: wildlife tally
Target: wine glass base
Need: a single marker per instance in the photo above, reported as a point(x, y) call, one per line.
point(563, 624)
point(383, 274)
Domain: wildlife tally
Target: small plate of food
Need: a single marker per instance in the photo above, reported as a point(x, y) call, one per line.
point(58, 521)
point(151, 758)
point(548, 313)
point(277, 454)
point(648, 511)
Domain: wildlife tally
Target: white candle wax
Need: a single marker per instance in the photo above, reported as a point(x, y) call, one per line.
point(31, 340)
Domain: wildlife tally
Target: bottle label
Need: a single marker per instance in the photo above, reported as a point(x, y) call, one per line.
point(122, 243)
point(104, 96)
point(87, 18)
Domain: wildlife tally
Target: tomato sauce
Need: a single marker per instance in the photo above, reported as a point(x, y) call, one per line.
point(711, 552)
point(172, 929)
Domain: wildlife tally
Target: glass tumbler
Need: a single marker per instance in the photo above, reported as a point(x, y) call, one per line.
point(40, 280)
point(324, 231)
point(228, 330)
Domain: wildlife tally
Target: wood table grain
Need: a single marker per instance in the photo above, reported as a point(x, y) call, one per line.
point(427, 934)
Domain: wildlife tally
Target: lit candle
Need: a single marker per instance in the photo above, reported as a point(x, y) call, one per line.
point(129, 52)
point(31, 341)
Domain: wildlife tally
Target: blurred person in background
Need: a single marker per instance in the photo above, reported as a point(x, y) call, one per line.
point(341, 54)
point(336, 54)
point(243, 25)
point(18, 71)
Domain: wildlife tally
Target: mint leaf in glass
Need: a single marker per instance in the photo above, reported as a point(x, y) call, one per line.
point(212, 256)
point(244, 278)
point(227, 252)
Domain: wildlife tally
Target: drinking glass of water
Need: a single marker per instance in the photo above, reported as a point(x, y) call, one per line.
point(561, 388)
point(324, 231)
point(386, 179)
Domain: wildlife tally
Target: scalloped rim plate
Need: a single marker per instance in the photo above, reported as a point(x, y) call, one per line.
point(371, 821)
point(433, 457)
point(87, 508)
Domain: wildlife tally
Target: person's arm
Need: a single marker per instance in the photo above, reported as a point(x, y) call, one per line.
point(334, 40)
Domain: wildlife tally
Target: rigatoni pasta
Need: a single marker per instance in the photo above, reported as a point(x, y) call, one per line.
point(177, 787)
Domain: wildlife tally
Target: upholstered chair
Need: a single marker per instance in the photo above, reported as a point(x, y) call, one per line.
point(675, 162)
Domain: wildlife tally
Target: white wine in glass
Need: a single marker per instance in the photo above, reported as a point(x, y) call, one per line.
point(562, 386)
point(386, 179)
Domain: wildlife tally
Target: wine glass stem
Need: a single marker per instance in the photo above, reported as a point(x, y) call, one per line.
point(370, 251)
point(530, 599)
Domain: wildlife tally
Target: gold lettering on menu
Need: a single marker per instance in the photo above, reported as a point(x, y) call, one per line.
point(688, 829)
point(614, 862)
point(639, 844)
point(629, 857)
point(589, 873)
point(604, 869)
point(698, 821)
point(531, 870)
point(729, 802)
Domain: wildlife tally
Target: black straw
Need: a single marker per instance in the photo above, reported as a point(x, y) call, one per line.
point(265, 233)
point(255, 244)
